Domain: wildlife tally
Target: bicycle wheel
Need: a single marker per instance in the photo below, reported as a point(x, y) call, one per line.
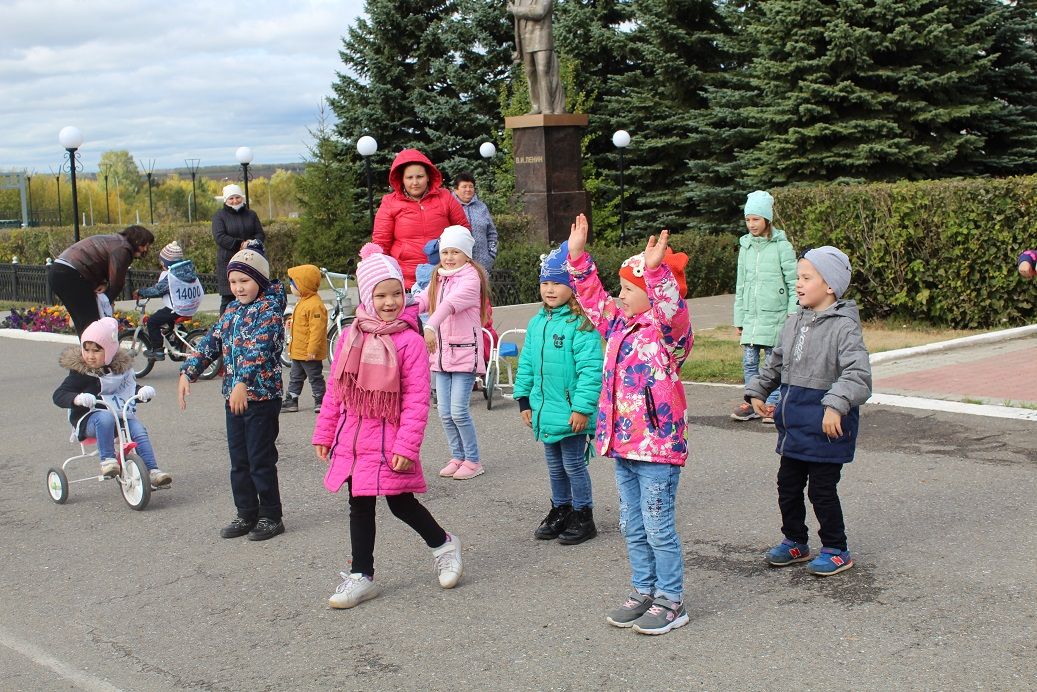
point(193, 338)
point(136, 342)
point(286, 352)
point(57, 485)
point(135, 482)
point(490, 383)
point(333, 337)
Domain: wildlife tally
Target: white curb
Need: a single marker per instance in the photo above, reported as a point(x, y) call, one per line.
point(962, 342)
point(39, 336)
point(989, 410)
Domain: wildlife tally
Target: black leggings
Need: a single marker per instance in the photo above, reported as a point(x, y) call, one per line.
point(75, 293)
point(793, 475)
point(362, 529)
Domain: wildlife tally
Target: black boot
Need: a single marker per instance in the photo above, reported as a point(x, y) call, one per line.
point(554, 522)
point(579, 528)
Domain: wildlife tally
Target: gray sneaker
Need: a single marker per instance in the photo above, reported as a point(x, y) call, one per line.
point(354, 590)
point(636, 605)
point(663, 616)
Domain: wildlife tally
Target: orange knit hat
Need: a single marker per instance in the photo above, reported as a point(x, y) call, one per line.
point(633, 269)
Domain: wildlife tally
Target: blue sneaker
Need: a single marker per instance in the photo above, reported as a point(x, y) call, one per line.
point(788, 553)
point(830, 561)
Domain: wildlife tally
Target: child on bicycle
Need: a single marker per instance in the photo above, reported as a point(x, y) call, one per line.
point(181, 291)
point(309, 330)
point(641, 416)
point(98, 370)
point(250, 334)
point(373, 422)
point(557, 387)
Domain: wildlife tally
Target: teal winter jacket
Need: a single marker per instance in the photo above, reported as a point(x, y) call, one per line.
point(766, 290)
point(559, 372)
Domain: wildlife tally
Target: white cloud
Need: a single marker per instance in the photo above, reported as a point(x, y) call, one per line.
point(165, 80)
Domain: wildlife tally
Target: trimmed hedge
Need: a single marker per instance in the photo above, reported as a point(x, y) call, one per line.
point(939, 252)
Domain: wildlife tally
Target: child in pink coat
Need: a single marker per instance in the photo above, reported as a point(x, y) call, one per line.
point(641, 416)
point(372, 422)
point(458, 299)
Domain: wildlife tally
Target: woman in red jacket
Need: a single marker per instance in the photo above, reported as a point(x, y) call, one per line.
point(415, 212)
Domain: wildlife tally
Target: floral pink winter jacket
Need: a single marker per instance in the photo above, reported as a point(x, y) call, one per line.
point(457, 321)
point(363, 447)
point(641, 414)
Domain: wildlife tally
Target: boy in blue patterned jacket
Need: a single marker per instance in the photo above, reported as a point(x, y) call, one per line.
point(250, 334)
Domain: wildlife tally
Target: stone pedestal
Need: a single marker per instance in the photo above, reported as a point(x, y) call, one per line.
point(547, 170)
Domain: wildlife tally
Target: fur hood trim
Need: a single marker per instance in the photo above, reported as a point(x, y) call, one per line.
point(72, 359)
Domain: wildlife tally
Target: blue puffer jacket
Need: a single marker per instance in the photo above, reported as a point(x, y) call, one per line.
point(559, 373)
point(821, 362)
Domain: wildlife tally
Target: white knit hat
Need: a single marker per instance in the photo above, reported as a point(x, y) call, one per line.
point(231, 190)
point(459, 238)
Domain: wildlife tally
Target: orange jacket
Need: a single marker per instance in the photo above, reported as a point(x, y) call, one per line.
point(310, 317)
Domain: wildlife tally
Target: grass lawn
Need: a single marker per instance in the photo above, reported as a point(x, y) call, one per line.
point(717, 355)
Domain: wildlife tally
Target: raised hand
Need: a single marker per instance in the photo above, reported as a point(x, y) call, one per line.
point(655, 250)
point(578, 237)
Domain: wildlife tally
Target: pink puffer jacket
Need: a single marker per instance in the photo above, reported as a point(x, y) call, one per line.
point(642, 407)
point(363, 447)
point(457, 321)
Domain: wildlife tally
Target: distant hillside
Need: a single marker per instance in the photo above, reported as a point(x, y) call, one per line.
point(228, 172)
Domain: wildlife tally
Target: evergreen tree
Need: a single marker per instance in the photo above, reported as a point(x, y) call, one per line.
point(327, 235)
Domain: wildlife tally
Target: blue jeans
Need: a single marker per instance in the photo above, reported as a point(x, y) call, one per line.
point(453, 396)
point(567, 469)
point(751, 366)
point(647, 519)
point(101, 425)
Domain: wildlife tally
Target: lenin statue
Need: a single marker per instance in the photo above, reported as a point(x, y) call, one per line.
point(534, 46)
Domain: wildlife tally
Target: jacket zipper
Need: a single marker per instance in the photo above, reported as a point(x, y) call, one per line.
point(543, 340)
point(756, 298)
point(356, 436)
point(378, 479)
point(653, 415)
point(783, 406)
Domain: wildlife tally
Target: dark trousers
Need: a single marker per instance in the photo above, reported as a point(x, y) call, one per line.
point(793, 475)
point(75, 293)
point(156, 321)
point(224, 302)
point(251, 439)
point(362, 530)
point(303, 369)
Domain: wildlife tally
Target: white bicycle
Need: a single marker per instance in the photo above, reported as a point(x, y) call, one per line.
point(341, 316)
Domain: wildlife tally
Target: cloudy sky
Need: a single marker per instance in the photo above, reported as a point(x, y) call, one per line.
point(165, 80)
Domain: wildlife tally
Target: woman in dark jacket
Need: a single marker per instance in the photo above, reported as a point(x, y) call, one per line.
point(99, 260)
point(232, 227)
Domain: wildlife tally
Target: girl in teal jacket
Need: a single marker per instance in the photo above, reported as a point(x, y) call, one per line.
point(557, 386)
point(765, 293)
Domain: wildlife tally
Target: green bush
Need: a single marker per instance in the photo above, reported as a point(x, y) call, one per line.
point(938, 252)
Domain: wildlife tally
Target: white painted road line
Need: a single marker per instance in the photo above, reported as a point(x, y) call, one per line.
point(81, 679)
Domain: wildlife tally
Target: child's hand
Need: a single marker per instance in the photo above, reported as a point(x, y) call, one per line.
point(656, 250)
point(321, 451)
point(578, 422)
point(527, 417)
point(430, 341)
point(1026, 270)
point(832, 423)
point(183, 390)
point(238, 399)
point(400, 463)
point(760, 406)
point(578, 237)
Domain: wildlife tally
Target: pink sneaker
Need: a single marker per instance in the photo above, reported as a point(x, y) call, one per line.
point(469, 469)
point(450, 469)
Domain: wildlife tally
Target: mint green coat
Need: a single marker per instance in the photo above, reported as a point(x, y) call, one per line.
point(766, 290)
point(559, 372)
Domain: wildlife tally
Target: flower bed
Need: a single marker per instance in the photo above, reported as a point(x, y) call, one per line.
point(54, 319)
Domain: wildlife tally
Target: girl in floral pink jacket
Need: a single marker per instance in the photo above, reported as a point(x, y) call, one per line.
point(641, 416)
point(372, 423)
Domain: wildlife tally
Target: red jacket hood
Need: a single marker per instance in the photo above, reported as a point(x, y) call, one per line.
point(407, 157)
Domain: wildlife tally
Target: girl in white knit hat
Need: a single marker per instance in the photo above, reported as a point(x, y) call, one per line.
point(457, 300)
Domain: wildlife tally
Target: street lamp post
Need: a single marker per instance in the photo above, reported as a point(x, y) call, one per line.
point(192, 166)
point(28, 187)
point(148, 171)
point(57, 184)
point(244, 157)
point(71, 139)
point(621, 140)
point(366, 146)
point(105, 169)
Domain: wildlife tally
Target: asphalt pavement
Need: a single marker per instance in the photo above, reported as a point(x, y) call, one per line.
point(939, 508)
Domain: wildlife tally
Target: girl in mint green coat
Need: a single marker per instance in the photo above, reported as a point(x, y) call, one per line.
point(765, 293)
point(557, 386)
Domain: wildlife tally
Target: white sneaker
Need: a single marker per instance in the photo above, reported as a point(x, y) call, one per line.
point(109, 468)
point(160, 478)
point(354, 590)
point(447, 561)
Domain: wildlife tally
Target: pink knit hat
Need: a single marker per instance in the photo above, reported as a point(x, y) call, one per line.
point(373, 268)
point(105, 333)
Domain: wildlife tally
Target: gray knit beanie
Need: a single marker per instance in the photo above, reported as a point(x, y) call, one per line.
point(833, 265)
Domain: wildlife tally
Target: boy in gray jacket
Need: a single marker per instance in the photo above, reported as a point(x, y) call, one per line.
point(821, 366)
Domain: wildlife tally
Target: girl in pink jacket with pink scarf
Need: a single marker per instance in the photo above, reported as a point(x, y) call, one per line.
point(457, 298)
point(641, 417)
point(372, 423)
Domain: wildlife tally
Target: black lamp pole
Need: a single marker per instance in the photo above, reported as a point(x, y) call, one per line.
point(244, 176)
point(57, 182)
point(28, 187)
point(75, 201)
point(148, 170)
point(192, 165)
point(622, 199)
point(105, 170)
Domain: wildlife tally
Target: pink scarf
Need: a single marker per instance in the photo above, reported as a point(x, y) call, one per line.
point(367, 373)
